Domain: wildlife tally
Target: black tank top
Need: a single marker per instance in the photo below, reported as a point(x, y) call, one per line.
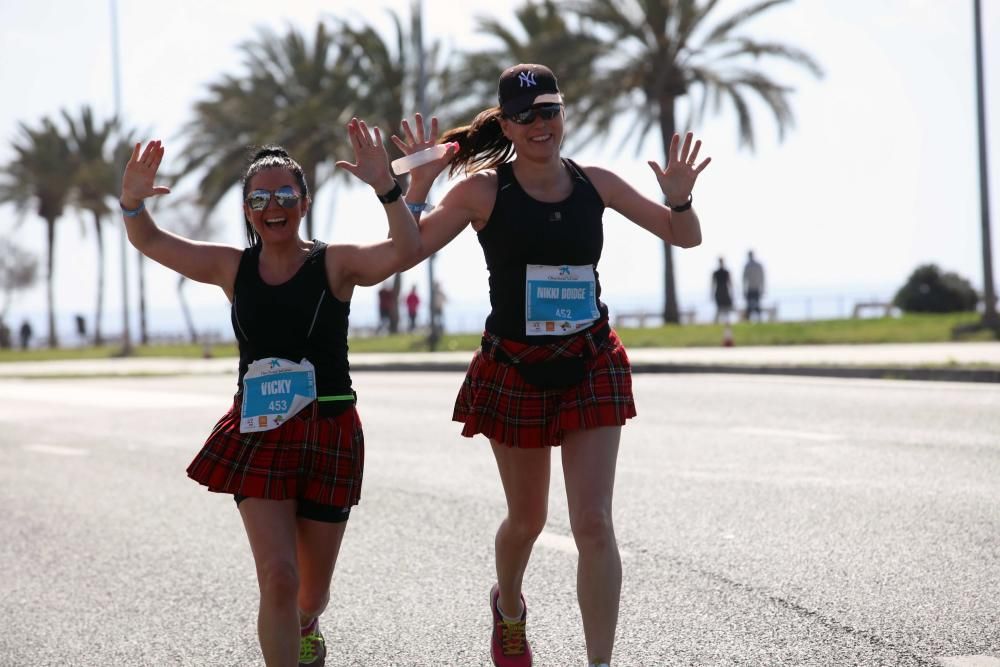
point(522, 230)
point(297, 319)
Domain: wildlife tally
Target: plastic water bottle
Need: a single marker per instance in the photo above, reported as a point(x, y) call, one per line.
point(413, 160)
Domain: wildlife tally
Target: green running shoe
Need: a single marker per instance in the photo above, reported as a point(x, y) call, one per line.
point(312, 647)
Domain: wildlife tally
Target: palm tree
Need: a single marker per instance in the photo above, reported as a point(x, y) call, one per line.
point(41, 174)
point(542, 36)
point(301, 95)
point(294, 94)
point(386, 82)
point(95, 180)
point(664, 51)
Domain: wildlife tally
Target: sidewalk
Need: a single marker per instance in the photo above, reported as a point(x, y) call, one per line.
point(976, 362)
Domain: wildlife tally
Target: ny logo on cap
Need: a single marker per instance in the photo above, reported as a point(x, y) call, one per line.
point(527, 79)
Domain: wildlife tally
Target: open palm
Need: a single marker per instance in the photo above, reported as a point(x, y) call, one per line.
point(140, 173)
point(371, 162)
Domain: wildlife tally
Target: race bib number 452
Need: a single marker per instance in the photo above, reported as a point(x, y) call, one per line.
point(559, 300)
point(274, 390)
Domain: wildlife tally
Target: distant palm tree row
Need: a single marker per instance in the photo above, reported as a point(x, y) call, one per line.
point(626, 68)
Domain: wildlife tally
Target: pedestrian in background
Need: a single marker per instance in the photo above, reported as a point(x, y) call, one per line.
point(412, 306)
point(550, 371)
point(440, 298)
point(386, 299)
point(290, 449)
point(26, 333)
point(722, 292)
point(753, 286)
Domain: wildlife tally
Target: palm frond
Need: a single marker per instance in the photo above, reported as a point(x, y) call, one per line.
point(723, 28)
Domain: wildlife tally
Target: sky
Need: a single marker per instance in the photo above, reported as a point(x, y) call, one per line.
point(878, 175)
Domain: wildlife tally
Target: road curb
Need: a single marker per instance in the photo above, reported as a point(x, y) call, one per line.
point(63, 371)
point(862, 372)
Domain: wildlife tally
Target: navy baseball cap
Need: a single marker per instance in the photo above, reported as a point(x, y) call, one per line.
point(523, 86)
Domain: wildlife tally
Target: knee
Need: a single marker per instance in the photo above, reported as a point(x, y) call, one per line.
point(593, 529)
point(313, 602)
point(279, 581)
point(526, 526)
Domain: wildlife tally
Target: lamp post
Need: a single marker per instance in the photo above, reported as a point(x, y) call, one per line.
point(990, 319)
point(116, 83)
point(434, 337)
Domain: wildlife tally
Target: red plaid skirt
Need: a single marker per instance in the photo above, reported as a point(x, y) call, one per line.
point(497, 402)
point(309, 457)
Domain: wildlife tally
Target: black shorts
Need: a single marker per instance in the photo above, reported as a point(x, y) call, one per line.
point(307, 509)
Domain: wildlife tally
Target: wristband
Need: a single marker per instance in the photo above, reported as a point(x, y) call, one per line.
point(391, 195)
point(419, 208)
point(132, 212)
point(680, 208)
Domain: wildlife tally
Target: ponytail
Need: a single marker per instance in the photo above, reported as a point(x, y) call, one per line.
point(481, 145)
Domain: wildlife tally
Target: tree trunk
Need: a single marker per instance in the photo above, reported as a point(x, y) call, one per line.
point(186, 311)
point(50, 230)
point(310, 174)
point(671, 312)
point(99, 312)
point(143, 329)
point(397, 287)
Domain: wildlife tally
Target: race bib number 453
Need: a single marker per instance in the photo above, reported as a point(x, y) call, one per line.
point(559, 300)
point(274, 390)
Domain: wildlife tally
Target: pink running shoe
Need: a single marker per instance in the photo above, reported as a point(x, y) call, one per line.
point(509, 645)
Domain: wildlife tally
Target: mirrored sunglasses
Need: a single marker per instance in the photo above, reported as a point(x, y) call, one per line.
point(527, 117)
point(286, 196)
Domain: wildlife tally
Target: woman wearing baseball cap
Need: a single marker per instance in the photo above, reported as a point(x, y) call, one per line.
point(551, 371)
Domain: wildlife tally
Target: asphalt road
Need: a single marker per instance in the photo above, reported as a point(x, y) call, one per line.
point(763, 521)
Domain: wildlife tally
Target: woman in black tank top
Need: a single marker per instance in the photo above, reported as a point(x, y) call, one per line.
point(551, 371)
point(291, 448)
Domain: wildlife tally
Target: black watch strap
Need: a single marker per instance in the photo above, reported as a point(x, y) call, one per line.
point(391, 195)
point(680, 208)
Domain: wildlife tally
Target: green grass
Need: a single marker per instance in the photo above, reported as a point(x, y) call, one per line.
point(906, 329)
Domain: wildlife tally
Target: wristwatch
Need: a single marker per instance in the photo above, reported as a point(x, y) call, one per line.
point(391, 195)
point(680, 208)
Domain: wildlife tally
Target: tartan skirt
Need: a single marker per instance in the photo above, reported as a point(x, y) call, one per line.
point(313, 456)
point(497, 402)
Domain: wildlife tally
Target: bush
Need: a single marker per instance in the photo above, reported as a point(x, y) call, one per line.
point(930, 291)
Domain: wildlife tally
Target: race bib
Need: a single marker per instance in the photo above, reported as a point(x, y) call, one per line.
point(559, 300)
point(274, 390)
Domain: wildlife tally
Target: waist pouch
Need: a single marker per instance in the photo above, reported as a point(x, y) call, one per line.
point(555, 373)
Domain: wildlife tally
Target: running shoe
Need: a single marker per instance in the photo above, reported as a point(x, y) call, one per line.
point(312, 646)
point(509, 645)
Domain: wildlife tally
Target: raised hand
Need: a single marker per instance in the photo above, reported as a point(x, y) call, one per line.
point(140, 174)
point(418, 141)
point(371, 163)
point(677, 180)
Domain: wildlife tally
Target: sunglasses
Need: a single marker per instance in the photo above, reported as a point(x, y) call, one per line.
point(286, 195)
point(528, 116)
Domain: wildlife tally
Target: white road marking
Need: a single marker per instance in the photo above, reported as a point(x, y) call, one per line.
point(783, 433)
point(54, 449)
point(969, 661)
point(109, 398)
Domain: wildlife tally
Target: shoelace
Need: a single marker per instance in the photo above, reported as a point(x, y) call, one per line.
point(307, 646)
point(512, 637)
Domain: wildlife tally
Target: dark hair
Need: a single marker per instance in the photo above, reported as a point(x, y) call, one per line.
point(481, 145)
point(270, 157)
